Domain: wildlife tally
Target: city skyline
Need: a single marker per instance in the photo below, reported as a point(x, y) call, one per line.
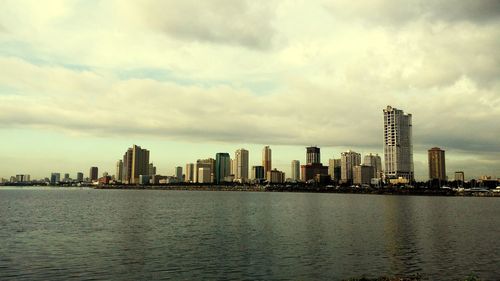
point(82, 81)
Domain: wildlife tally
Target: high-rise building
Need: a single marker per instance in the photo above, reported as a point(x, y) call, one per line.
point(222, 166)
point(348, 160)
point(135, 163)
point(258, 173)
point(151, 169)
point(313, 169)
point(178, 173)
point(313, 155)
point(93, 173)
point(205, 163)
point(376, 162)
point(295, 170)
point(189, 173)
point(398, 146)
point(119, 170)
point(66, 177)
point(241, 165)
point(275, 176)
point(460, 176)
point(55, 178)
point(204, 175)
point(437, 165)
point(79, 177)
point(266, 159)
point(362, 174)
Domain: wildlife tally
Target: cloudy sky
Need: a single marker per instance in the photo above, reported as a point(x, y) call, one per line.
point(80, 81)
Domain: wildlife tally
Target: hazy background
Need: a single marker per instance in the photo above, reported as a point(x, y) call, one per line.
point(80, 81)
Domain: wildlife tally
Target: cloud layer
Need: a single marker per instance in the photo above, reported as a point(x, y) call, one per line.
point(288, 72)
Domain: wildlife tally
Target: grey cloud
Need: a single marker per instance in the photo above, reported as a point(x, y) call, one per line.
point(244, 23)
point(397, 12)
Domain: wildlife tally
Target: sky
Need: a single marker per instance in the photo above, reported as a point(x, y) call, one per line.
point(81, 81)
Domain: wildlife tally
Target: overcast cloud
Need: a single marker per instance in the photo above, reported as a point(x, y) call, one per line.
point(264, 72)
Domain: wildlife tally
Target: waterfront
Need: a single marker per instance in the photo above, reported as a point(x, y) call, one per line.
point(83, 234)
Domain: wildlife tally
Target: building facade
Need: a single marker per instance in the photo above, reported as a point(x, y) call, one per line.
point(222, 166)
point(295, 175)
point(189, 177)
point(258, 173)
point(119, 170)
point(266, 159)
point(93, 173)
point(348, 160)
point(241, 165)
point(135, 163)
point(437, 164)
point(376, 162)
point(398, 146)
point(460, 176)
point(178, 174)
point(275, 176)
point(363, 174)
point(313, 155)
point(205, 163)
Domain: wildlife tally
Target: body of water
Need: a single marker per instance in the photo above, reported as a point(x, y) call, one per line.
point(86, 234)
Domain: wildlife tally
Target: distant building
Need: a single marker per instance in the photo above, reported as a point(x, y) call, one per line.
point(119, 171)
point(241, 165)
point(275, 176)
point(55, 178)
point(313, 166)
point(135, 163)
point(144, 179)
point(313, 155)
point(222, 166)
point(23, 178)
point(348, 160)
point(79, 177)
point(398, 146)
point(204, 175)
point(178, 174)
point(93, 173)
point(437, 165)
point(334, 169)
point(460, 176)
point(151, 169)
point(295, 170)
point(258, 173)
point(376, 162)
point(266, 159)
point(205, 163)
point(363, 174)
point(66, 178)
point(190, 173)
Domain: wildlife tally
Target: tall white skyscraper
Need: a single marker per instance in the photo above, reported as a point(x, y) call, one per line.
point(241, 165)
point(398, 146)
point(348, 160)
point(295, 170)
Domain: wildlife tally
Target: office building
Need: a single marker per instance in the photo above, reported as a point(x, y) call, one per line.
point(266, 159)
point(93, 174)
point(334, 169)
point(398, 146)
point(55, 178)
point(460, 176)
point(178, 174)
point(275, 176)
point(189, 178)
point(437, 165)
point(376, 162)
point(363, 174)
point(205, 163)
point(151, 169)
point(313, 155)
point(79, 177)
point(348, 160)
point(222, 166)
point(204, 175)
point(295, 176)
point(241, 165)
point(313, 168)
point(258, 173)
point(135, 163)
point(119, 171)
